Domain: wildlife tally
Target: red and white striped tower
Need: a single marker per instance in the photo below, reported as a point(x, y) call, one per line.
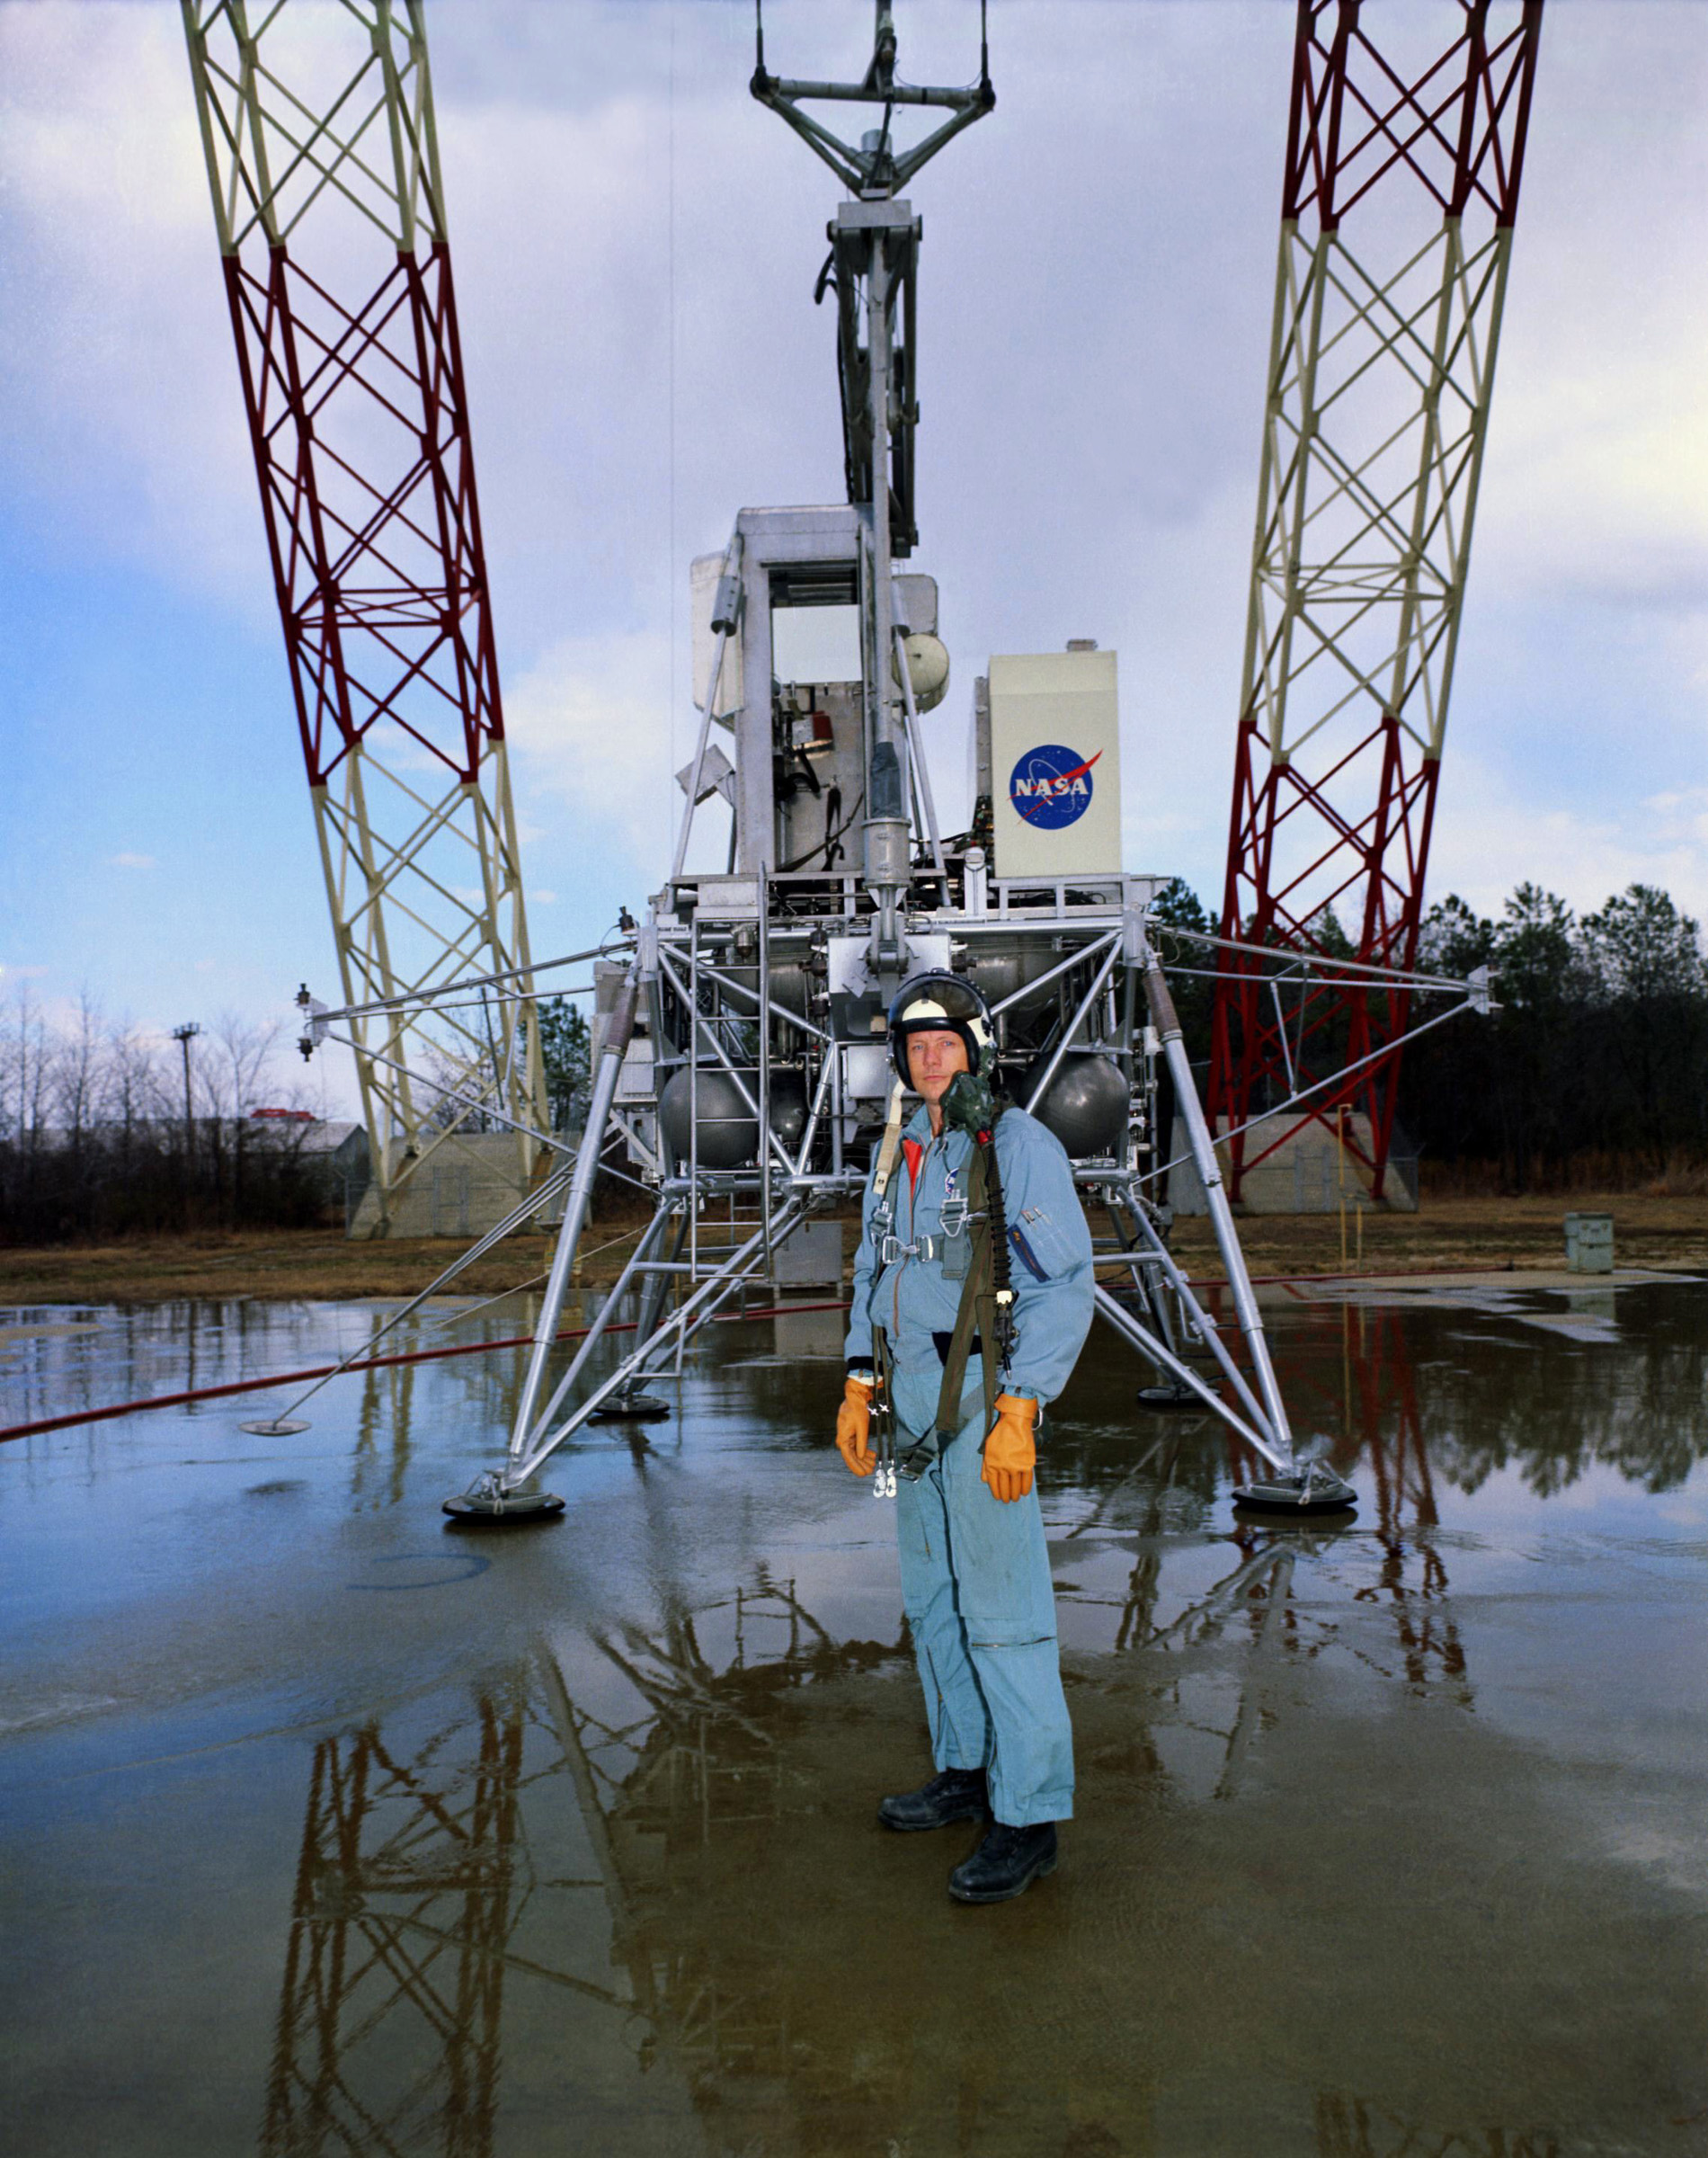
point(318, 125)
point(1401, 190)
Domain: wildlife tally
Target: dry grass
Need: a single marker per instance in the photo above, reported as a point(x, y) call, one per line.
point(1487, 1234)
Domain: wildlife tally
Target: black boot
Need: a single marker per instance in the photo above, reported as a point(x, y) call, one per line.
point(1006, 1864)
point(956, 1795)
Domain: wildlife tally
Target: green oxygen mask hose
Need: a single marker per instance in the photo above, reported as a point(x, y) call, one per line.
point(970, 1106)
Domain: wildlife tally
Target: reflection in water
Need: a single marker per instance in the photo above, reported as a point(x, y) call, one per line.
point(621, 1896)
point(415, 1876)
point(1346, 2127)
point(1351, 1370)
point(423, 1886)
point(1383, 1421)
point(384, 1417)
point(428, 1903)
point(483, 1392)
point(693, 1757)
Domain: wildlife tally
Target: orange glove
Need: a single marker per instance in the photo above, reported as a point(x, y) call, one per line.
point(1010, 1454)
point(854, 1425)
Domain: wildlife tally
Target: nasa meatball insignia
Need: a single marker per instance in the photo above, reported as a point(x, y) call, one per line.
point(1051, 787)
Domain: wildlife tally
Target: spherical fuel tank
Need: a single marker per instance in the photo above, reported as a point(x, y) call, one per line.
point(728, 1129)
point(1085, 1105)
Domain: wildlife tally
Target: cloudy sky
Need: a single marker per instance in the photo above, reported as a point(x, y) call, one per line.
point(636, 243)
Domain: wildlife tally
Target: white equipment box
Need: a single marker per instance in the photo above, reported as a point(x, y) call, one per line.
point(1055, 764)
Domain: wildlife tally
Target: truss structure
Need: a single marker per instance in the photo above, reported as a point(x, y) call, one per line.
point(319, 122)
point(416, 1881)
point(1401, 187)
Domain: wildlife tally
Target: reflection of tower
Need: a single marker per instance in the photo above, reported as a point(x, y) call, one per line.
point(387, 1412)
point(685, 1790)
point(1357, 1362)
point(428, 1884)
point(414, 1878)
point(1349, 2127)
point(1394, 1442)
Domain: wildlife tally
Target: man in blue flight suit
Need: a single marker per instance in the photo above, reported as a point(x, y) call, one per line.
point(975, 1573)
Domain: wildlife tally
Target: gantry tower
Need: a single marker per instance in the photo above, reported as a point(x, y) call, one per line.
point(1398, 203)
point(319, 135)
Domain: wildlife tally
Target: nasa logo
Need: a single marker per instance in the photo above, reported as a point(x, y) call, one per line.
point(1051, 787)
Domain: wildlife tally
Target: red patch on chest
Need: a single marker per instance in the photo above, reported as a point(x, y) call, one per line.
point(915, 1155)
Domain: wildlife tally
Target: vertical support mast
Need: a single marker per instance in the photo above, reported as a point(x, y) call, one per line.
point(359, 420)
point(1381, 372)
point(874, 252)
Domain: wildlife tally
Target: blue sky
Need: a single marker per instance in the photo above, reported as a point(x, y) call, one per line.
point(634, 243)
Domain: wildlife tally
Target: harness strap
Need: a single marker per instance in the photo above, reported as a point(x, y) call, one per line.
point(890, 1248)
point(891, 1145)
point(976, 1317)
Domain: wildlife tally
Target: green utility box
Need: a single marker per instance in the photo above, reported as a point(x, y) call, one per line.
point(1589, 1243)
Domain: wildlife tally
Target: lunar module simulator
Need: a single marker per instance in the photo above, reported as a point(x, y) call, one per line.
point(739, 1059)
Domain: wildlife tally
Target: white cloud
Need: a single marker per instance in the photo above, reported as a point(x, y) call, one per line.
point(1489, 836)
point(1096, 286)
point(589, 728)
point(132, 861)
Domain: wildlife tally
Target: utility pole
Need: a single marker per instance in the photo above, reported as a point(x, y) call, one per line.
point(183, 1036)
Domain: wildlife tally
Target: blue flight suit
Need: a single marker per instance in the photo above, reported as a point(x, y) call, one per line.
point(975, 1573)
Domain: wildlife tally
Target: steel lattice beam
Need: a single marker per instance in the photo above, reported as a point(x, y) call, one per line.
point(1401, 191)
point(352, 382)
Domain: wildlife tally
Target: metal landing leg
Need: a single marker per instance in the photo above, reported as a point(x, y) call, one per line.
point(504, 1496)
point(632, 1403)
point(1300, 1484)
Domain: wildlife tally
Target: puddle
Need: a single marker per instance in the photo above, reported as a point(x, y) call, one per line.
point(327, 1831)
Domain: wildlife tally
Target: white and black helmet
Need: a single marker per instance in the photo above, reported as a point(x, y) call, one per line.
point(942, 1003)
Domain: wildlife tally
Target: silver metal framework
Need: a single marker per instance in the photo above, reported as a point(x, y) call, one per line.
point(318, 131)
point(739, 1059)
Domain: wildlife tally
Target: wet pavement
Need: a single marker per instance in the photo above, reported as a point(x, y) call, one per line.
point(329, 1827)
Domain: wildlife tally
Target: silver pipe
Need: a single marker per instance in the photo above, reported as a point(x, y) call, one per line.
point(1280, 1110)
point(1160, 1354)
point(534, 1203)
point(763, 1105)
point(705, 728)
point(471, 981)
point(811, 1132)
point(1311, 964)
point(581, 1191)
point(718, 1051)
point(885, 838)
point(658, 1287)
point(709, 1295)
point(1072, 959)
point(779, 1011)
point(915, 749)
point(603, 1316)
point(1208, 1332)
point(1281, 1029)
point(474, 1103)
point(1166, 1021)
point(1061, 1047)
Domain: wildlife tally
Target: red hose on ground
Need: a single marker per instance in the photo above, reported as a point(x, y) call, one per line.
point(369, 1363)
point(521, 1341)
